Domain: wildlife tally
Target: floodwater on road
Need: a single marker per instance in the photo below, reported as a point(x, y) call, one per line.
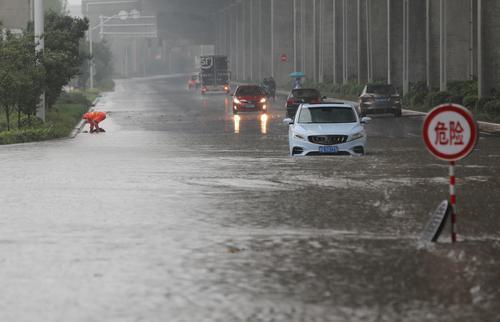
point(180, 212)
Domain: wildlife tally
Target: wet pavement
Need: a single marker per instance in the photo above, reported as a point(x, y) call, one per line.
point(179, 212)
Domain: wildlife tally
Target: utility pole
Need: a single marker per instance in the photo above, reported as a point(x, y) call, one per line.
point(442, 46)
point(39, 22)
point(272, 38)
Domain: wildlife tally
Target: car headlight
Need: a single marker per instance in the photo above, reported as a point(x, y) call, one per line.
point(299, 136)
point(236, 101)
point(263, 100)
point(356, 136)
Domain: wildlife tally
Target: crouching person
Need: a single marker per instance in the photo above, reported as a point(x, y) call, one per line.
point(93, 119)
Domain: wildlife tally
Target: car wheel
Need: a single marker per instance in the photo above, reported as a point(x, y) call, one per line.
point(398, 113)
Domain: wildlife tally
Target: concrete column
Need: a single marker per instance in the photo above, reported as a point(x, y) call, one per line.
point(417, 41)
point(489, 23)
point(284, 39)
point(458, 39)
point(295, 36)
point(397, 27)
point(443, 50)
point(272, 51)
point(378, 40)
point(243, 40)
point(251, 33)
point(406, 47)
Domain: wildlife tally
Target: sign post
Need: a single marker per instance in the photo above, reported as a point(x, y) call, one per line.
point(450, 134)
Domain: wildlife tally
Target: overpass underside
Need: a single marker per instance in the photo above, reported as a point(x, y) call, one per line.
point(395, 41)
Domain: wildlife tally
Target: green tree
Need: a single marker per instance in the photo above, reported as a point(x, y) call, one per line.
point(57, 6)
point(21, 76)
point(62, 58)
point(102, 57)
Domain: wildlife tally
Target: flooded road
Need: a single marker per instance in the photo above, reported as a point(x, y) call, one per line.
point(180, 212)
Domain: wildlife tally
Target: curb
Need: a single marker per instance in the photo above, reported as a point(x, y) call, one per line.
point(483, 126)
point(80, 125)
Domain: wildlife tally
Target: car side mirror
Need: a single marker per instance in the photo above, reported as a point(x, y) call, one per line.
point(288, 121)
point(365, 120)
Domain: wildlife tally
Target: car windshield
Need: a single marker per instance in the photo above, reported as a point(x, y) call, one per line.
point(380, 89)
point(250, 91)
point(305, 93)
point(327, 115)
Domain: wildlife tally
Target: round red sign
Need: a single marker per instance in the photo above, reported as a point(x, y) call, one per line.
point(283, 57)
point(450, 132)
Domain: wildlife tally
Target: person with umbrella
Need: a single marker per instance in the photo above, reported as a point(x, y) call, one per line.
point(297, 77)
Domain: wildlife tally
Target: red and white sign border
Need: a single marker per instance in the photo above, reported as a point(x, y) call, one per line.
point(448, 107)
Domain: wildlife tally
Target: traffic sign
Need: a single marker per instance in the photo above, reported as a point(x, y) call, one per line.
point(450, 132)
point(284, 57)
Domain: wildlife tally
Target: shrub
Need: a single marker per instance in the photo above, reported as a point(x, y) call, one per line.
point(482, 102)
point(470, 101)
point(492, 107)
point(437, 98)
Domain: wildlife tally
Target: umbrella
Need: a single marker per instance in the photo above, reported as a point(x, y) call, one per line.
point(297, 74)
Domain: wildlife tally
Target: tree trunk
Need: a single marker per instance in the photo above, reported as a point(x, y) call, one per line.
point(18, 117)
point(7, 117)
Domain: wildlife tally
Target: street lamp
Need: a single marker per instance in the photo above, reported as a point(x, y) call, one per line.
point(122, 15)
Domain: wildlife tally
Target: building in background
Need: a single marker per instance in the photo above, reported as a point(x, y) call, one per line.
point(15, 14)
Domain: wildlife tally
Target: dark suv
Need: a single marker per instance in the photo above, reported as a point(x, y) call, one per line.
point(300, 96)
point(379, 98)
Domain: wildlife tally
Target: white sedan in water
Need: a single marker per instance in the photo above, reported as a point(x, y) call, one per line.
point(329, 128)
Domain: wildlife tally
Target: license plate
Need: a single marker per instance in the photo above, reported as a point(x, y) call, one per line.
point(328, 149)
point(250, 105)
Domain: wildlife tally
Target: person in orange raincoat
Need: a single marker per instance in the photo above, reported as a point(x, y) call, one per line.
point(94, 118)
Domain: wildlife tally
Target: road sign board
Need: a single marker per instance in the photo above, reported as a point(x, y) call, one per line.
point(284, 57)
point(436, 223)
point(450, 132)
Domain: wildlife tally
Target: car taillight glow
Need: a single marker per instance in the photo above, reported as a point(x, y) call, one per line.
point(263, 100)
point(291, 101)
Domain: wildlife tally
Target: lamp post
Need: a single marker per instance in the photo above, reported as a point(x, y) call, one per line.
point(40, 46)
point(122, 15)
point(91, 29)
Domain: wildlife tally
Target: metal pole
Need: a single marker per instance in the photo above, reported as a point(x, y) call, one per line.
point(321, 41)
point(406, 47)
point(251, 40)
point(442, 46)
point(91, 61)
point(358, 15)
point(428, 43)
point(39, 22)
point(101, 26)
point(389, 43)
point(303, 35)
point(315, 43)
point(344, 42)
point(334, 41)
point(243, 42)
point(471, 40)
point(369, 42)
point(295, 67)
point(480, 70)
point(453, 200)
point(272, 38)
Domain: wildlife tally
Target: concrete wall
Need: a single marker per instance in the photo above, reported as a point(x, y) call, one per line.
point(15, 14)
point(397, 41)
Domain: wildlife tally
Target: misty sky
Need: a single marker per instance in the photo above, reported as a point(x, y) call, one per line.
point(74, 1)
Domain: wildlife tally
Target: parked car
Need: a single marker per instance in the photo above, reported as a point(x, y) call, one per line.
point(300, 96)
point(249, 98)
point(329, 128)
point(379, 98)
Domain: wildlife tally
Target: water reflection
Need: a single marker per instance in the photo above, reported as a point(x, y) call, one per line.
point(237, 119)
point(263, 123)
point(262, 120)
